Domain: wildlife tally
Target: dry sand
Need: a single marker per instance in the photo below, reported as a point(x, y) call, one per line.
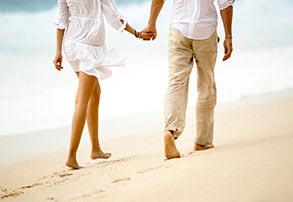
point(252, 161)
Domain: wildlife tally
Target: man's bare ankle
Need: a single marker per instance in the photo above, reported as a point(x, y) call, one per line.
point(173, 133)
point(200, 147)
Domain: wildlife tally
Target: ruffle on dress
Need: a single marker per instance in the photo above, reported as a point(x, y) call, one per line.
point(92, 60)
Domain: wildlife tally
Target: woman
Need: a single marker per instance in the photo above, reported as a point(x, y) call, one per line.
point(84, 48)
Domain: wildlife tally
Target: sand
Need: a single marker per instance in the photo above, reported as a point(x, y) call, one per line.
point(252, 161)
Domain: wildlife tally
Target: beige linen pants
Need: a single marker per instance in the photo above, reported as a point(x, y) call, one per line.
point(182, 54)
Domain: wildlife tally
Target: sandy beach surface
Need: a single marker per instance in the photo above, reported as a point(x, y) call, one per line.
point(252, 162)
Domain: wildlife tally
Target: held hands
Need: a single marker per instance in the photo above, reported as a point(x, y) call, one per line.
point(228, 48)
point(58, 61)
point(147, 34)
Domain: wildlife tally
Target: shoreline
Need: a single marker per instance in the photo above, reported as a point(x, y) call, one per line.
point(224, 105)
point(251, 161)
point(57, 139)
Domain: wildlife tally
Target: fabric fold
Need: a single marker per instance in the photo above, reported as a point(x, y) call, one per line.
point(93, 60)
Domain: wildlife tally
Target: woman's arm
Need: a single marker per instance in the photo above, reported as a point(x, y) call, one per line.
point(115, 19)
point(140, 35)
point(61, 25)
point(58, 56)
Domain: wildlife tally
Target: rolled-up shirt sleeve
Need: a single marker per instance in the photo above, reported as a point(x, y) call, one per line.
point(225, 3)
point(112, 15)
point(63, 14)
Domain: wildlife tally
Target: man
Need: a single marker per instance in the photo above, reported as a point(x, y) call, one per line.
point(192, 38)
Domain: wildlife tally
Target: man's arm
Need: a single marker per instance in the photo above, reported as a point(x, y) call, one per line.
point(155, 11)
point(227, 15)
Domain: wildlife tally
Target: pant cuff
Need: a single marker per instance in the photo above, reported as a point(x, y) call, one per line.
point(174, 131)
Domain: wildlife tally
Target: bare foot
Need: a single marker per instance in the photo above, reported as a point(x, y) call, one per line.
point(170, 147)
point(100, 155)
point(72, 163)
point(198, 147)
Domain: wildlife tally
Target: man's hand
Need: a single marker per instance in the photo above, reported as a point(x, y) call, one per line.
point(146, 36)
point(155, 10)
point(227, 15)
point(228, 48)
point(151, 31)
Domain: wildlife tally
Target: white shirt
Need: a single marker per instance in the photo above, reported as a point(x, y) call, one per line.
point(196, 19)
point(84, 19)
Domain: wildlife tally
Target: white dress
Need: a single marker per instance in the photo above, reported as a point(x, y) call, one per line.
point(84, 39)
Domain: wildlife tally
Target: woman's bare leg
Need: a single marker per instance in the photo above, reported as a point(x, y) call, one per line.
point(93, 123)
point(85, 89)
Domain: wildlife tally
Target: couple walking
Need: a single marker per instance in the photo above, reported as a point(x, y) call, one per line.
point(192, 39)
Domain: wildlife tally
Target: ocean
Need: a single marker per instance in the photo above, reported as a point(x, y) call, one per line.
point(34, 96)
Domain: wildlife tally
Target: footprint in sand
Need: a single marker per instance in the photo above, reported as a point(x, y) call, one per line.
point(118, 160)
point(106, 163)
point(31, 186)
point(93, 193)
point(16, 192)
point(10, 194)
point(55, 178)
point(96, 193)
point(51, 199)
point(149, 169)
point(43, 180)
point(63, 173)
point(121, 180)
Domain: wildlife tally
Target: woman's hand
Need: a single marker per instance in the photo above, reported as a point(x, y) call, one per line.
point(151, 31)
point(58, 61)
point(146, 36)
